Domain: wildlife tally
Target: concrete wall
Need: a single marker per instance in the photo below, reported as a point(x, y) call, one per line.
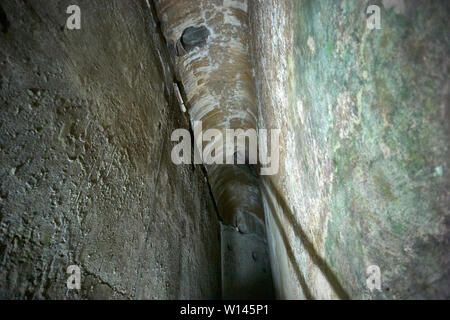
point(86, 175)
point(364, 171)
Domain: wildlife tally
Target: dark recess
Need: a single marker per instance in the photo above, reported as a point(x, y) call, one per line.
point(4, 21)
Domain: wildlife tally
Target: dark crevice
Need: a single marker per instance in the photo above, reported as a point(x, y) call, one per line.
point(4, 22)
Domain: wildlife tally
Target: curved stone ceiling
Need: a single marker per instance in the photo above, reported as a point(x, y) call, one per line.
point(209, 43)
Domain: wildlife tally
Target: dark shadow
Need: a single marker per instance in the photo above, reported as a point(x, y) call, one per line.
point(4, 22)
point(307, 244)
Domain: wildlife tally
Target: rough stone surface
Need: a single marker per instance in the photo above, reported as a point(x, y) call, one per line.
point(86, 175)
point(364, 172)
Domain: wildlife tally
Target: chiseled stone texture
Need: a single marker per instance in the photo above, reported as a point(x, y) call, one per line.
point(86, 175)
point(218, 86)
point(364, 171)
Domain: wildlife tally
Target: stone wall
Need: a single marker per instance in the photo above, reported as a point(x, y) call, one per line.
point(364, 171)
point(86, 174)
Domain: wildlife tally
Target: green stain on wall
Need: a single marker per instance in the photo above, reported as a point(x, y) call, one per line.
point(374, 101)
